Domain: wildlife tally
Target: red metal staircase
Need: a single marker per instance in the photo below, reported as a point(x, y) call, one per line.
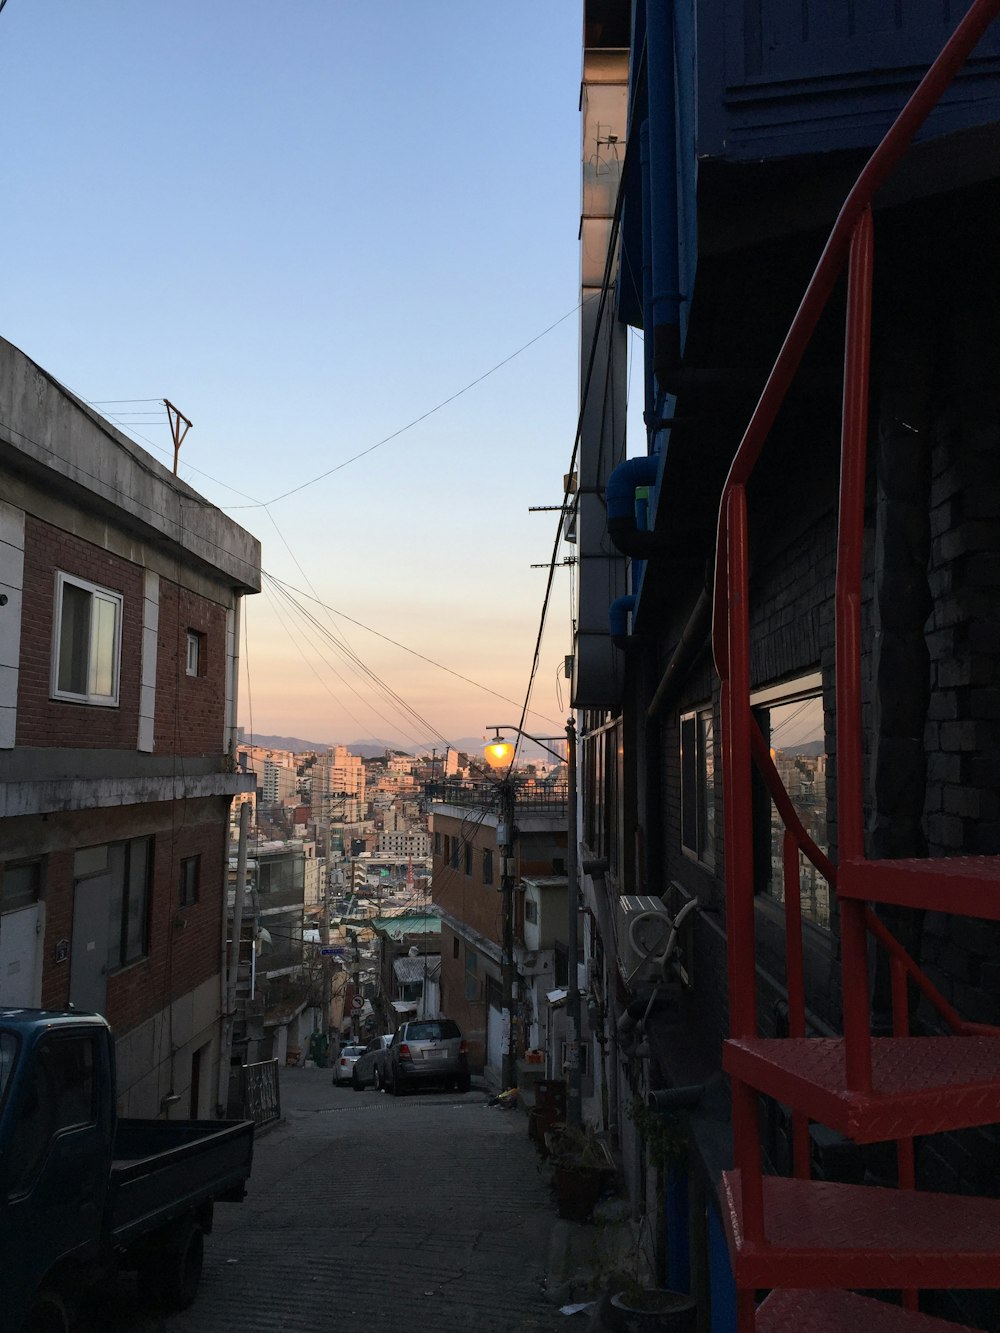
point(809, 1242)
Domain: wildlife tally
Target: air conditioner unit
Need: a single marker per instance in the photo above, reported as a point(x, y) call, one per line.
point(634, 965)
point(647, 936)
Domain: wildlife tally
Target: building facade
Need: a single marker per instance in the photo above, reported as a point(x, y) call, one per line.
point(119, 628)
point(776, 792)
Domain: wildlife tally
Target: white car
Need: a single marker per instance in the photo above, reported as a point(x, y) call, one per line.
point(343, 1066)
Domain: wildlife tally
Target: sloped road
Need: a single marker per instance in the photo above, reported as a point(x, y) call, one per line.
point(369, 1213)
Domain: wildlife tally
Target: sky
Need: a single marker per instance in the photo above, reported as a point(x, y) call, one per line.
point(309, 225)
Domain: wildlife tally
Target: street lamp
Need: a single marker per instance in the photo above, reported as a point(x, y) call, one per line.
point(499, 753)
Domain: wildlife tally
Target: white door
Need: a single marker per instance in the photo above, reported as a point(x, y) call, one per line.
point(21, 937)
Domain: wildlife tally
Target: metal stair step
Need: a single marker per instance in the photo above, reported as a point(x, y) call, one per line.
point(968, 885)
point(798, 1311)
point(920, 1085)
point(823, 1234)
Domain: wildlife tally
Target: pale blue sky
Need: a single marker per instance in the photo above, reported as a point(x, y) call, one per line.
point(306, 224)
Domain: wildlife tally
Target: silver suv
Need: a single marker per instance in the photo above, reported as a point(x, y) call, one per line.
point(427, 1050)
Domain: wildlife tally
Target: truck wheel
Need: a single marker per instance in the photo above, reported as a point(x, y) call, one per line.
point(47, 1315)
point(172, 1270)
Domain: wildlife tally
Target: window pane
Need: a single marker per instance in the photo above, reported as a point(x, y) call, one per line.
point(706, 789)
point(8, 1050)
point(72, 1072)
point(116, 903)
point(19, 886)
point(102, 646)
point(798, 749)
point(74, 639)
point(689, 784)
point(135, 939)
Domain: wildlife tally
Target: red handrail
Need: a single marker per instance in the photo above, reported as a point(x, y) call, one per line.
point(850, 237)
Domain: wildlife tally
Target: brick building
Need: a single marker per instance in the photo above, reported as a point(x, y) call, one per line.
point(119, 627)
point(743, 137)
point(466, 893)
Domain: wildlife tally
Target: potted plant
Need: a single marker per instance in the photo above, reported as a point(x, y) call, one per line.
point(657, 1309)
point(582, 1167)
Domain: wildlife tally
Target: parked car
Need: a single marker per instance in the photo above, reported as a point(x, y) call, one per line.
point(367, 1067)
point(343, 1066)
point(427, 1050)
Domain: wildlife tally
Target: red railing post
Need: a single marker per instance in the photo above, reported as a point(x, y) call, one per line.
point(737, 778)
point(850, 784)
point(796, 985)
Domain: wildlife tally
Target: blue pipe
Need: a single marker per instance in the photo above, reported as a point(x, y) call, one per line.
point(649, 387)
point(618, 620)
point(623, 526)
point(662, 104)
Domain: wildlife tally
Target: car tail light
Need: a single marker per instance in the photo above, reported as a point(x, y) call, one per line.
point(343, 1060)
point(404, 1050)
point(463, 1048)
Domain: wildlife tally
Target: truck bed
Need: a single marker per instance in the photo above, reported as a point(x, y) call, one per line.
point(163, 1168)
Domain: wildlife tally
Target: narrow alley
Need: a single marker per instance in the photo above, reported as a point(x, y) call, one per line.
point(367, 1213)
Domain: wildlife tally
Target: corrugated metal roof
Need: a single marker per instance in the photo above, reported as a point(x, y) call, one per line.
point(414, 969)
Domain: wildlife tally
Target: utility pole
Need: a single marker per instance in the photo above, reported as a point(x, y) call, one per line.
point(574, 1100)
point(505, 839)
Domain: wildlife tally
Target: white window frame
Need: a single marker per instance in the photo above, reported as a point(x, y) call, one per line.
point(703, 813)
point(799, 689)
point(193, 667)
point(107, 596)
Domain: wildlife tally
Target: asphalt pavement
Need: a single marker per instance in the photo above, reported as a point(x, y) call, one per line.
point(368, 1212)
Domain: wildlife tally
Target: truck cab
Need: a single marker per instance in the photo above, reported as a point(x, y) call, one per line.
point(83, 1193)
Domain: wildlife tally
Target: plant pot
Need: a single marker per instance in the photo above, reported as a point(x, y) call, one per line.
point(577, 1190)
point(657, 1311)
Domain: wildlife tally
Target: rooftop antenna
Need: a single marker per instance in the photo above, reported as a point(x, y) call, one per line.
point(175, 416)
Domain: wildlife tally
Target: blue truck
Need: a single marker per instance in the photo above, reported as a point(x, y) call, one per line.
point(85, 1194)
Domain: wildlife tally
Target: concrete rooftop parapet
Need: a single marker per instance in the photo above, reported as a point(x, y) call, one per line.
point(51, 436)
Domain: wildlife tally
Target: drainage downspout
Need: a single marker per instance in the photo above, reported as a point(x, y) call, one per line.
point(623, 528)
point(689, 645)
point(663, 191)
point(597, 869)
point(618, 613)
point(649, 414)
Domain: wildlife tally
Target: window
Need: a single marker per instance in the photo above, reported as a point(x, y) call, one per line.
point(20, 885)
point(698, 785)
point(195, 654)
point(60, 1094)
point(86, 642)
point(128, 869)
point(454, 947)
point(531, 911)
point(468, 858)
point(455, 852)
point(437, 844)
point(190, 877)
point(487, 865)
point(790, 717)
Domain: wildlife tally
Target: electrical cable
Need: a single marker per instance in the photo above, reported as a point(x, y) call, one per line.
point(424, 415)
point(606, 284)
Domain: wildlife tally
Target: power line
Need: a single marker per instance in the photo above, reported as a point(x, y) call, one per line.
point(592, 357)
point(412, 651)
point(423, 416)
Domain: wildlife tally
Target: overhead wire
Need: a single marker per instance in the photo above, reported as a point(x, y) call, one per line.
point(424, 415)
point(606, 284)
